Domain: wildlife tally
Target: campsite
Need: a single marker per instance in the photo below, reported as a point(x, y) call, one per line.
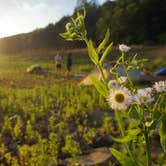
point(83, 83)
point(36, 106)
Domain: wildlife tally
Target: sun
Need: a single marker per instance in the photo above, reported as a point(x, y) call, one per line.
point(7, 29)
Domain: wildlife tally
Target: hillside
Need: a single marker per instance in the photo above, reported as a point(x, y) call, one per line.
point(41, 38)
point(131, 22)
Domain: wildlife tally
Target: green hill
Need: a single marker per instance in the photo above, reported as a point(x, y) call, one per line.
point(130, 21)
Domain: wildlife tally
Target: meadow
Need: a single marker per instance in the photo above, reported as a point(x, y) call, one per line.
point(13, 67)
point(47, 118)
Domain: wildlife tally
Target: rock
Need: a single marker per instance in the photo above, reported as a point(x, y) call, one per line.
point(97, 156)
point(35, 69)
point(107, 139)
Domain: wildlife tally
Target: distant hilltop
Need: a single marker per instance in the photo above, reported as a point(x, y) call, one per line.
point(131, 22)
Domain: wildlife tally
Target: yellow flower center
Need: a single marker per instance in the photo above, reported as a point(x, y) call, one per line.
point(143, 98)
point(119, 98)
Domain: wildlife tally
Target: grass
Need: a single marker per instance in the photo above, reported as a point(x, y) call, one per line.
point(13, 68)
point(13, 71)
point(44, 118)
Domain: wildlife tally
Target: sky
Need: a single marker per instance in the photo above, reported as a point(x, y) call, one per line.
point(21, 16)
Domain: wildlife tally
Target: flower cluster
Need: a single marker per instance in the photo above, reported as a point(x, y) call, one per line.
point(75, 29)
point(122, 93)
point(143, 96)
point(160, 86)
point(120, 98)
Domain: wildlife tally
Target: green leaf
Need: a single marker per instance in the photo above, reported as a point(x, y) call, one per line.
point(123, 159)
point(106, 52)
point(70, 36)
point(156, 116)
point(131, 135)
point(104, 42)
point(92, 53)
point(134, 114)
point(162, 132)
point(65, 35)
point(101, 87)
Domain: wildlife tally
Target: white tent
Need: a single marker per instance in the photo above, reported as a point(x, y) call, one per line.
point(134, 74)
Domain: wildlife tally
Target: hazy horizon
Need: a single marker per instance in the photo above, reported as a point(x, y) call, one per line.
point(19, 16)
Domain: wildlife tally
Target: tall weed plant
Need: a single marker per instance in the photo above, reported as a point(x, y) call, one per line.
point(138, 112)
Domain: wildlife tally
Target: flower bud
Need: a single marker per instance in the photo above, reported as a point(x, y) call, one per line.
point(124, 48)
point(113, 84)
point(68, 26)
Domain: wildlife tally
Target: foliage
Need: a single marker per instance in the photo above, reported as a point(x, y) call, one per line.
point(137, 106)
point(130, 22)
point(45, 124)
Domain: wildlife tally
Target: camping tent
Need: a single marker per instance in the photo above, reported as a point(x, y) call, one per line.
point(135, 75)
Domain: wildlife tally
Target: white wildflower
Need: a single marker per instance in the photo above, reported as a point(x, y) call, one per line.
point(144, 96)
point(122, 79)
point(124, 48)
point(148, 90)
point(120, 99)
point(113, 84)
point(160, 86)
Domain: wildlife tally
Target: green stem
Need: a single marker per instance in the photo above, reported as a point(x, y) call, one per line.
point(123, 59)
point(98, 65)
point(163, 159)
point(157, 102)
point(127, 74)
point(148, 151)
point(140, 110)
point(119, 120)
point(86, 40)
point(121, 127)
point(102, 73)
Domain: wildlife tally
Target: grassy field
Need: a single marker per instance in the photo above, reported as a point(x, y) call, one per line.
point(45, 118)
point(13, 71)
point(13, 68)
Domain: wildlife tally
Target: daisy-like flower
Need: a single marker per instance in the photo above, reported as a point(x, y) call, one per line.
point(144, 96)
point(120, 99)
point(148, 90)
point(160, 86)
point(113, 84)
point(124, 48)
point(122, 79)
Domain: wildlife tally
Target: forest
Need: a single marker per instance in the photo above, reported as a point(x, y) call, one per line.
point(129, 21)
point(106, 108)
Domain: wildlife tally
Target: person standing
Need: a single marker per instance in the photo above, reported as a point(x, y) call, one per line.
point(69, 63)
point(58, 61)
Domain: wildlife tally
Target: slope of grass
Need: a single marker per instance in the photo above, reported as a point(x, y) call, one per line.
point(44, 118)
point(13, 68)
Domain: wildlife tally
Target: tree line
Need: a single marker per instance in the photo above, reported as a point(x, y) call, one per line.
point(129, 21)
